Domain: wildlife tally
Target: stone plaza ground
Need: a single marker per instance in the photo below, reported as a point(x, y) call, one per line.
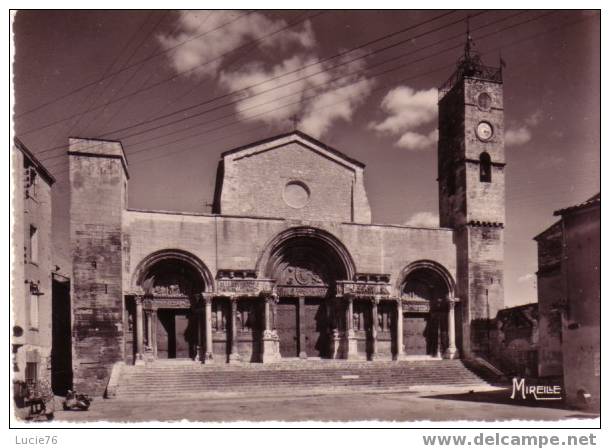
point(442, 404)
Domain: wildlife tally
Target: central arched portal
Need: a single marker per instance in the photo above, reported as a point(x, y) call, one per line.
point(305, 268)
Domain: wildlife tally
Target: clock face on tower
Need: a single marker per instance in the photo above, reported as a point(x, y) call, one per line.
point(484, 131)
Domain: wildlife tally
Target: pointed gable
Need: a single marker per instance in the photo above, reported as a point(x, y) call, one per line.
point(292, 176)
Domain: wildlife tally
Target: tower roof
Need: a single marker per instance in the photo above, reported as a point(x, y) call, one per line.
point(470, 65)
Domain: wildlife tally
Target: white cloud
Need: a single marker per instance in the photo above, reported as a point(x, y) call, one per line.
point(407, 110)
point(518, 136)
point(521, 132)
point(299, 85)
point(333, 104)
point(415, 141)
point(423, 219)
point(208, 51)
point(534, 118)
point(313, 93)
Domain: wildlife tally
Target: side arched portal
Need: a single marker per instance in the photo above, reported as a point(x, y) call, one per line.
point(163, 316)
point(427, 294)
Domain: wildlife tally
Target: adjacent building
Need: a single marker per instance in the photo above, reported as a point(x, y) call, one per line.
point(32, 267)
point(569, 294)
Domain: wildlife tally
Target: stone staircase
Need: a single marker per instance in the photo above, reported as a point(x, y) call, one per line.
point(165, 380)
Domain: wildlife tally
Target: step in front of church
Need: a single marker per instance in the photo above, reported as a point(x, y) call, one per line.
point(182, 379)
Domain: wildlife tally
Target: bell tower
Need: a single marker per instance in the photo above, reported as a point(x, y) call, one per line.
point(471, 191)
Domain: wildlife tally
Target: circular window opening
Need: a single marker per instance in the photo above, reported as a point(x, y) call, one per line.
point(296, 194)
point(484, 101)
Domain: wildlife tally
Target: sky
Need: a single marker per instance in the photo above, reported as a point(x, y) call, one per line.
point(178, 88)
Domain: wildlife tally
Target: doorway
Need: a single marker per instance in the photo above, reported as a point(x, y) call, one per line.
point(287, 327)
point(176, 334)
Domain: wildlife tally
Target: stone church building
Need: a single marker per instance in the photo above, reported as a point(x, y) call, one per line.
point(288, 264)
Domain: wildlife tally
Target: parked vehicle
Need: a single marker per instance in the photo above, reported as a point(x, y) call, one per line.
point(76, 402)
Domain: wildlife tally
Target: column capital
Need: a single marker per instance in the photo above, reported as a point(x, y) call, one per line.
point(451, 301)
point(139, 299)
point(270, 297)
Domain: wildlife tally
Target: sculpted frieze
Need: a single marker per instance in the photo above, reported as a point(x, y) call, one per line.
point(243, 286)
point(360, 289)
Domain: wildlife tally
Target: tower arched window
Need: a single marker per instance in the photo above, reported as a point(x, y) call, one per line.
point(485, 167)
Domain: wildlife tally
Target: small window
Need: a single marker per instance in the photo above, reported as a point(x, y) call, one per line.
point(34, 310)
point(33, 244)
point(30, 180)
point(31, 372)
point(485, 167)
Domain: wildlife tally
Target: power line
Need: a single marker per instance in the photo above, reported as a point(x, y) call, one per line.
point(133, 53)
point(385, 72)
point(212, 60)
point(243, 90)
point(167, 50)
point(312, 88)
point(400, 81)
point(226, 66)
point(151, 74)
point(409, 63)
point(108, 69)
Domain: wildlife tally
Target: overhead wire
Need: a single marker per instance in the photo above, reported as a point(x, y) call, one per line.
point(157, 54)
point(401, 81)
point(245, 89)
point(39, 128)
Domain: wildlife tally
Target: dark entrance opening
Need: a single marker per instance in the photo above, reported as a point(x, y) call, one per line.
point(176, 334)
point(415, 333)
point(173, 277)
point(287, 327)
point(61, 344)
point(315, 327)
point(305, 269)
point(424, 330)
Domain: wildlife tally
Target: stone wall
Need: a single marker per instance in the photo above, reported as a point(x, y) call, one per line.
point(98, 181)
point(293, 177)
point(550, 301)
point(582, 320)
point(514, 335)
point(239, 243)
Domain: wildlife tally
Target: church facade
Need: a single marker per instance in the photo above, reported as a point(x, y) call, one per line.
point(288, 264)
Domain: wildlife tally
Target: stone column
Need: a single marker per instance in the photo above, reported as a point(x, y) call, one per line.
point(207, 354)
point(400, 351)
point(374, 319)
point(154, 319)
point(139, 332)
point(439, 337)
point(451, 352)
point(270, 349)
point(148, 313)
point(334, 340)
point(351, 344)
point(302, 352)
point(234, 355)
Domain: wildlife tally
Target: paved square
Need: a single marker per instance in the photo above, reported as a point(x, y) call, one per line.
point(440, 405)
